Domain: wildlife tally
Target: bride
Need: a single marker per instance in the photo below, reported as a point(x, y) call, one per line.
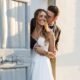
point(41, 38)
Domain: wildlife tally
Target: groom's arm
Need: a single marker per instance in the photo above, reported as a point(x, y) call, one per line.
point(41, 51)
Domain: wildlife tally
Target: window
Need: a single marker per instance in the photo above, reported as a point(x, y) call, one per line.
point(14, 25)
point(14, 32)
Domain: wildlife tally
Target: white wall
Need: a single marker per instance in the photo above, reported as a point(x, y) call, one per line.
point(68, 61)
point(35, 4)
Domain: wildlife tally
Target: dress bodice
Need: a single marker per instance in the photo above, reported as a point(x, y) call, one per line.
point(43, 43)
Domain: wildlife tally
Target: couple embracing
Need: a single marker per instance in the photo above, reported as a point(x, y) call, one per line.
point(44, 44)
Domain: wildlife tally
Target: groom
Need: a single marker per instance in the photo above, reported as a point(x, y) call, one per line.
point(52, 12)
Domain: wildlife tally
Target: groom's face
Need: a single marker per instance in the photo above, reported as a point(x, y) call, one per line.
point(51, 17)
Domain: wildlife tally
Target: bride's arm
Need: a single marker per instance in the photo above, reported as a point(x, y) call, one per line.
point(52, 43)
point(51, 38)
point(41, 51)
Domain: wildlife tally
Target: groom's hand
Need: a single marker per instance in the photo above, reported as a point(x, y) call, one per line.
point(39, 49)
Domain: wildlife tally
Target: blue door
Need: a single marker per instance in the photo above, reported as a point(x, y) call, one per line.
point(14, 40)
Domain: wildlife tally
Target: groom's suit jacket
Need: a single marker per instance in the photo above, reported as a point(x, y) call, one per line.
point(57, 32)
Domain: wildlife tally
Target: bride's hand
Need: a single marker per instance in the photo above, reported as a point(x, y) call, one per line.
point(46, 27)
point(50, 55)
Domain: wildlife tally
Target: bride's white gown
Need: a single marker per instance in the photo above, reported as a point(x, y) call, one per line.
point(41, 67)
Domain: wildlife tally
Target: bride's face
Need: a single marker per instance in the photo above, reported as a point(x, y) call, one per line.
point(41, 18)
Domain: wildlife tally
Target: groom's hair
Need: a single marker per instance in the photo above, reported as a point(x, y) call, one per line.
point(54, 9)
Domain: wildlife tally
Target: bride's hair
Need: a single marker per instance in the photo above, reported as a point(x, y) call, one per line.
point(44, 32)
point(37, 12)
